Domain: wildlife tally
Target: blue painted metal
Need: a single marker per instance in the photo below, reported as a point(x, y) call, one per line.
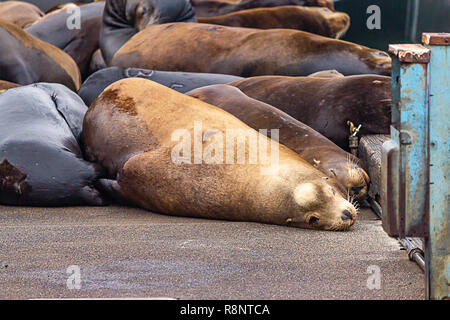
point(407, 207)
point(415, 166)
point(437, 244)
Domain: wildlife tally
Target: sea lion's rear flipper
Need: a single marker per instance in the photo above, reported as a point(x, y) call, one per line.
point(110, 189)
point(13, 184)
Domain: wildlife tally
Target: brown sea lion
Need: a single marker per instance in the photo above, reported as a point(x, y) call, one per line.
point(133, 129)
point(245, 52)
point(28, 60)
point(22, 14)
point(211, 8)
point(5, 85)
point(308, 143)
point(326, 104)
point(124, 18)
point(316, 20)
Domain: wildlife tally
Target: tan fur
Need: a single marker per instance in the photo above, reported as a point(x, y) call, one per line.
point(20, 13)
point(5, 85)
point(308, 143)
point(317, 20)
point(239, 51)
point(128, 129)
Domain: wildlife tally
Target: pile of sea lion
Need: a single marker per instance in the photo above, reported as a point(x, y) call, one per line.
point(136, 105)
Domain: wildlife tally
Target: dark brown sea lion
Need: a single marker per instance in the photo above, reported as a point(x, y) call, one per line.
point(20, 13)
point(80, 43)
point(28, 60)
point(245, 52)
point(5, 85)
point(326, 104)
point(179, 81)
point(41, 163)
point(308, 143)
point(211, 8)
point(316, 20)
point(134, 127)
point(124, 18)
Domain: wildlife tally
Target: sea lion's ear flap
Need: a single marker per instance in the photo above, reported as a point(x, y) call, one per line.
point(333, 172)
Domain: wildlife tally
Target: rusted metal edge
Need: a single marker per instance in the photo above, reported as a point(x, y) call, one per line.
point(436, 38)
point(413, 53)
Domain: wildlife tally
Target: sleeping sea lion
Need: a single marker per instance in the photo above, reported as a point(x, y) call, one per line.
point(245, 52)
point(80, 43)
point(326, 104)
point(212, 8)
point(41, 163)
point(124, 18)
point(140, 132)
point(321, 21)
point(308, 143)
point(179, 81)
point(28, 60)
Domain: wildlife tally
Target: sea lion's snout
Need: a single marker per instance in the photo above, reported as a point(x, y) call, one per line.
point(347, 215)
point(145, 15)
point(325, 208)
point(357, 190)
point(383, 62)
point(339, 23)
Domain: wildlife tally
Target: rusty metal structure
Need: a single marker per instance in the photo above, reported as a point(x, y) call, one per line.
point(415, 162)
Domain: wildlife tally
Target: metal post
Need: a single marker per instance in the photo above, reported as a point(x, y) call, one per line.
point(437, 244)
point(415, 189)
point(404, 190)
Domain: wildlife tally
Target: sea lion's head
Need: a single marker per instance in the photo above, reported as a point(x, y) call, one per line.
point(338, 22)
point(142, 13)
point(348, 173)
point(319, 205)
point(379, 61)
point(353, 178)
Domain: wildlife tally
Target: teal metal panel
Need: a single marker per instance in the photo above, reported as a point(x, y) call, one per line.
point(437, 244)
point(420, 127)
point(414, 147)
point(408, 214)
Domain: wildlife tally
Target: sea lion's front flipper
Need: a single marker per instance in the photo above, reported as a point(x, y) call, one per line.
point(110, 189)
point(13, 184)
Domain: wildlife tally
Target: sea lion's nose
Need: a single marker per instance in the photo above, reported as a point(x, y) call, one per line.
point(347, 215)
point(356, 190)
